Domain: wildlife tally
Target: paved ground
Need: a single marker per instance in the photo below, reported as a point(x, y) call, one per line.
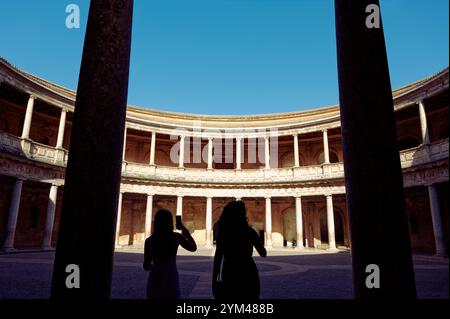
point(284, 274)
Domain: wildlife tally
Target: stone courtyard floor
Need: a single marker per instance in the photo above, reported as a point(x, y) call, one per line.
point(285, 273)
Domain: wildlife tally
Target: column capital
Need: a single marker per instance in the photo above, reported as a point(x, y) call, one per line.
point(209, 197)
point(210, 138)
point(422, 101)
point(328, 195)
point(324, 130)
point(32, 96)
point(298, 196)
point(268, 197)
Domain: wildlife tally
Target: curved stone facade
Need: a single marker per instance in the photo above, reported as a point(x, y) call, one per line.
point(286, 167)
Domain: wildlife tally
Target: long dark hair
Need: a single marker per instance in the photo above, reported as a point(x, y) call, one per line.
point(233, 223)
point(163, 238)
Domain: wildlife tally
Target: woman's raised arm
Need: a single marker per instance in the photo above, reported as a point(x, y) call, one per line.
point(185, 239)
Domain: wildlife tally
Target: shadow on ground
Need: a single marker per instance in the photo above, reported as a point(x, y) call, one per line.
point(308, 275)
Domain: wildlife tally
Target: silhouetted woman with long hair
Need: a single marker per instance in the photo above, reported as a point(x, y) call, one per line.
point(235, 242)
point(160, 256)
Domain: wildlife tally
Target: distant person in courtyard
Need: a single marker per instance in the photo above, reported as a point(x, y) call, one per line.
point(160, 256)
point(235, 242)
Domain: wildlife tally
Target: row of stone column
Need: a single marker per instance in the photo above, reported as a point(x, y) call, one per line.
point(13, 215)
point(62, 123)
point(50, 217)
point(268, 219)
point(28, 118)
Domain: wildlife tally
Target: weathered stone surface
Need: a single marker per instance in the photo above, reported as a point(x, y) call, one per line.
point(88, 218)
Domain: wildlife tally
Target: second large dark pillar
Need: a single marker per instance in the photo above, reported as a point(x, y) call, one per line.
point(373, 176)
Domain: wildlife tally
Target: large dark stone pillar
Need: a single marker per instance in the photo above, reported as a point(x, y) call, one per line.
point(373, 175)
point(89, 207)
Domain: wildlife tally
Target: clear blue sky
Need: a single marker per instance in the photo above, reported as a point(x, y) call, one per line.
point(227, 56)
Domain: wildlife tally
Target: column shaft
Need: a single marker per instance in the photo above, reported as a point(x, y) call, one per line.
point(326, 149)
point(210, 153)
point(424, 123)
point(148, 216)
point(208, 221)
point(180, 206)
point(296, 155)
point(124, 150)
point(153, 148)
point(330, 222)
point(299, 222)
point(61, 129)
point(181, 159)
point(119, 218)
point(50, 217)
point(437, 221)
point(28, 117)
point(238, 153)
point(87, 227)
point(267, 152)
point(268, 222)
point(13, 214)
point(373, 179)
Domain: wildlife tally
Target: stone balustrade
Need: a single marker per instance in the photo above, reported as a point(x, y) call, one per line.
point(27, 148)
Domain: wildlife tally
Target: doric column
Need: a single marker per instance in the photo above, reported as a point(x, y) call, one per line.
point(119, 217)
point(61, 129)
point(296, 155)
point(50, 218)
point(268, 222)
point(153, 148)
point(326, 150)
point(267, 152)
point(210, 152)
point(299, 221)
point(124, 143)
point(28, 116)
point(93, 173)
point(179, 205)
point(148, 215)
point(208, 221)
point(13, 213)
point(373, 175)
point(437, 221)
point(423, 123)
point(181, 159)
point(330, 222)
point(238, 152)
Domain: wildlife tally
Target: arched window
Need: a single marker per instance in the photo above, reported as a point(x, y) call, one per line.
point(333, 158)
point(407, 143)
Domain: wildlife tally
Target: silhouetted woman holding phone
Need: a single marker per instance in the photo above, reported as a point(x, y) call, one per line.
point(235, 242)
point(160, 256)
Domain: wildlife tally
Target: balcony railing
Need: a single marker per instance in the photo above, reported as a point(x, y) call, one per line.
point(42, 153)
